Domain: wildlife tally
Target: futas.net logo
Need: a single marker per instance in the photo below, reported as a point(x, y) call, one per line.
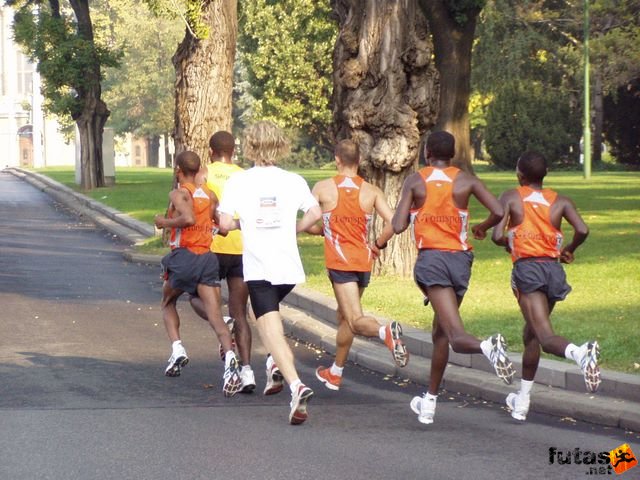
point(619, 460)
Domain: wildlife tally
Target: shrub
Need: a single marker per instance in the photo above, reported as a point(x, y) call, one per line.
point(529, 117)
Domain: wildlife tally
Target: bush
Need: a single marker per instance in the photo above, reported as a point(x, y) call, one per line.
point(529, 117)
point(622, 123)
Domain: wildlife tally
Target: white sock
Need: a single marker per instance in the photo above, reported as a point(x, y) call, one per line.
point(525, 387)
point(246, 368)
point(486, 347)
point(571, 352)
point(293, 386)
point(428, 396)
point(175, 344)
point(382, 333)
point(336, 370)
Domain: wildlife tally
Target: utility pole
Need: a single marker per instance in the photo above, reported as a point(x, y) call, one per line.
point(586, 136)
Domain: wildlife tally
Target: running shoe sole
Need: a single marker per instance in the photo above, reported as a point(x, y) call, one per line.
point(249, 388)
point(591, 370)
point(232, 381)
point(327, 383)
point(299, 414)
point(397, 346)
point(503, 366)
point(173, 370)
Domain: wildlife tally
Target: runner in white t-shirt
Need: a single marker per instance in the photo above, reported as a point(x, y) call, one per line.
point(266, 199)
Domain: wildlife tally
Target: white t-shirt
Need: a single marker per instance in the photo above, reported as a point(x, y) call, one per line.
point(267, 200)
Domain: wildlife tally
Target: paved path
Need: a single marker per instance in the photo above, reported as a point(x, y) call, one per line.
point(82, 395)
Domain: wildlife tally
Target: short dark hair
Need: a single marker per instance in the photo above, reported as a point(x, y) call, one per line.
point(533, 166)
point(348, 152)
point(441, 144)
point(222, 142)
point(188, 161)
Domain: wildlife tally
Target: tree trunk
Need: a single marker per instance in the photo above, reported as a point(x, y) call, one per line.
point(452, 43)
point(153, 150)
point(91, 127)
point(385, 97)
point(94, 114)
point(598, 111)
point(204, 78)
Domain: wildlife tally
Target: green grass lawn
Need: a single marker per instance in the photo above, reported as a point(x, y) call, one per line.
point(605, 277)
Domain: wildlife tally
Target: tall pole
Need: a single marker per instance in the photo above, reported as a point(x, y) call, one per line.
point(587, 90)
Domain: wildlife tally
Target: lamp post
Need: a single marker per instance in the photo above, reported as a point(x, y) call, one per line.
point(587, 107)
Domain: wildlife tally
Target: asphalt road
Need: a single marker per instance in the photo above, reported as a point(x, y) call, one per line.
point(83, 395)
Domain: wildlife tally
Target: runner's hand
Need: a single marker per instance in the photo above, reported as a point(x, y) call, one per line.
point(566, 256)
point(478, 232)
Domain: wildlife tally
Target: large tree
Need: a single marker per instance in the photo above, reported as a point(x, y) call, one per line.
point(203, 64)
point(385, 97)
point(69, 62)
point(452, 24)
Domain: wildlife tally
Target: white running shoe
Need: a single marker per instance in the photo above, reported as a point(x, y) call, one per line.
point(299, 399)
point(518, 405)
point(424, 407)
point(499, 359)
point(231, 378)
point(275, 380)
point(248, 380)
point(588, 362)
point(177, 360)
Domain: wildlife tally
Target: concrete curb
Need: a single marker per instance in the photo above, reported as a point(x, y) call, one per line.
point(310, 317)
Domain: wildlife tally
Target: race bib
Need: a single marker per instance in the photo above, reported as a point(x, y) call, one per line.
point(269, 214)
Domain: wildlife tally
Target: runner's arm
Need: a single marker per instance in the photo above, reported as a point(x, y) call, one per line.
point(580, 230)
point(491, 203)
point(310, 217)
point(184, 217)
point(316, 228)
point(400, 220)
point(383, 209)
point(498, 236)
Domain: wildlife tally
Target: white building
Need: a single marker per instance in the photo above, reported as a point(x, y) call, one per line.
point(21, 117)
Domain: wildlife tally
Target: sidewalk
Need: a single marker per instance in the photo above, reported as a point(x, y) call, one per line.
point(310, 317)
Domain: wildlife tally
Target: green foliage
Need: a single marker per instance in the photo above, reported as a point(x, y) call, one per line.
point(531, 117)
point(65, 57)
point(622, 122)
point(189, 11)
point(463, 10)
point(140, 93)
point(542, 42)
point(285, 50)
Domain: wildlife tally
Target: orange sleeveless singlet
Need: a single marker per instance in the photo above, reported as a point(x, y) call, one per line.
point(439, 224)
point(196, 238)
point(535, 236)
point(345, 229)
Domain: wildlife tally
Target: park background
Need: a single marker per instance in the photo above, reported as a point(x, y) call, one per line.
point(504, 76)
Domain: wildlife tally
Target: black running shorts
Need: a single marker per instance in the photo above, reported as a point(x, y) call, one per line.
point(230, 265)
point(444, 269)
point(266, 297)
point(547, 276)
point(339, 276)
point(185, 270)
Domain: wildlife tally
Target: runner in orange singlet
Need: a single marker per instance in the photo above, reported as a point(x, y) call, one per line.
point(191, 267)
point(530, 231)
point(348, 204)
point(434, 200)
